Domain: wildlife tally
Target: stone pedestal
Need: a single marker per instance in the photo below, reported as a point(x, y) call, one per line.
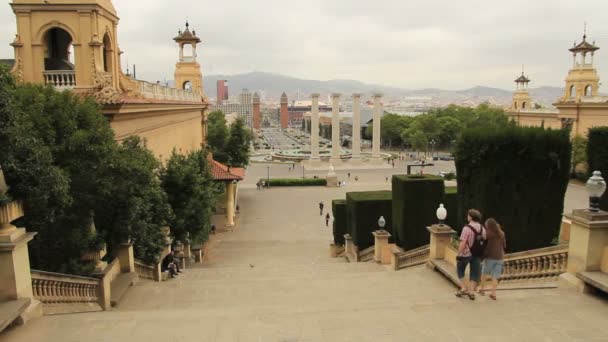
point(332, 181)
point(441, 235)
point(126, 257)
point(381, 247)
point(588, 240)
point(15, 273)
point(349, 247)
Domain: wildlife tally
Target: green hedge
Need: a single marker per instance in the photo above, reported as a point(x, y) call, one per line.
point(517, 175)
point(597, 156)
point(450, 202)
point(363, 209)
point(338, 208)
point(296, 181)
point(415, 202)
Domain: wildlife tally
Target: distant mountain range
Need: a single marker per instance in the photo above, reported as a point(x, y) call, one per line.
point(274, 85)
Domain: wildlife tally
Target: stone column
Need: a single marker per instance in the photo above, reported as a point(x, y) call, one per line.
point(335, 129)
point(126, 257)
point(356, 138)
point(377, 117)
point(314, 128)
point(588, 240)
point(16, 283)
point(441, 235)
point(229, 204)
point(381, 251)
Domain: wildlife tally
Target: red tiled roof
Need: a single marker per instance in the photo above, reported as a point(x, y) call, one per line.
point(222, 172)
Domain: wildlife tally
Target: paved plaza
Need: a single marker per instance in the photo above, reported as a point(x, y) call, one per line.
point(271, 279)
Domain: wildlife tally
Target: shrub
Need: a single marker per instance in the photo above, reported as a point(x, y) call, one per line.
point(450, 202)
point(415, 202)
point(363, 209)
point(597, 156)
point(338, 208)
point(517, 175)
point(296, 181)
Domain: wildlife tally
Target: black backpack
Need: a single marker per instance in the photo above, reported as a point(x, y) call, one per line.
point(479, 243)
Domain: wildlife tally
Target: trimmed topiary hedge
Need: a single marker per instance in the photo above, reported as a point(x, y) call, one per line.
point(415, 202)
point(338, 208)
point(597, 156)
point(517, 175)
point(450, 202)
point(363, 209)
point(296, 182)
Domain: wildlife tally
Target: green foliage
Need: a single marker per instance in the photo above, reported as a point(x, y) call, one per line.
point(338, 208)
point(363, 209)
point(415, 202)
point(296, 181)
point(450, 202)
point(597, 156)
point(517, 175)
point(217, 135)
point(191, 192)
point(239, 141)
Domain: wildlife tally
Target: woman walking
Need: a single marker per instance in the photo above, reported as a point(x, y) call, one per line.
point(470, 252)
point(493, 256)
point(327, 217)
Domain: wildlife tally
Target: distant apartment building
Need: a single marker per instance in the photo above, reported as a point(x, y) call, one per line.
point(242, 109)
point(222, 91)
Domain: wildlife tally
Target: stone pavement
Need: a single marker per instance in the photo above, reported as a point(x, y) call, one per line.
point(271, 279)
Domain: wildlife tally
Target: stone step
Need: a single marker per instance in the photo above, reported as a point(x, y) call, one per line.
point(120, 285)
point(599, 280)
point(9, 311)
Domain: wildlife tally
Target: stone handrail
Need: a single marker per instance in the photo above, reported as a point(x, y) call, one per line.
point(412, 257)
point(57, 288)
point(61, 79)
point(366, 254)
point(159, 92)
point(340, 250)
point(541, 265)
point(144, 270)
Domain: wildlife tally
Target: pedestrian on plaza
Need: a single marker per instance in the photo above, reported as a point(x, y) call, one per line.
point(327, 217)
point(238, 209)
point(321, 205)
point(356, 178)
point(212, 228)
point(386, 179)
point(349, 175)
point(493, 256)
point(470, 251)
point(393, 163)
point(258, 185)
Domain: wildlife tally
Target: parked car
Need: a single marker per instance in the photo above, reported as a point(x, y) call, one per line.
point(447, 157)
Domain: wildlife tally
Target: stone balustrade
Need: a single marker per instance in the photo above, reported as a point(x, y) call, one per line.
point(413, 257)
point(538, 265)
point(56, 288)
point(60, 79)
point(366, 254)
point(144, 270)
point(159, 92)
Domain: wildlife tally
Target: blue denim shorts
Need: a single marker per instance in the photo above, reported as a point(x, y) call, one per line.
point(493, 268)
point(474, 270)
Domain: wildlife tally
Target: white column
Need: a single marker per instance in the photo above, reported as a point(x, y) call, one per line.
point(356, 138)
point(377, 117)
point(229, 204)
point(335, 127)
point(314, 127)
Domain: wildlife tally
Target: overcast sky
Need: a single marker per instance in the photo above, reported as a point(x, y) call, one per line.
point(451, 44)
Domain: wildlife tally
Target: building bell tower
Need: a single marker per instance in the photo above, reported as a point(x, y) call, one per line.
point(582, 79)
point(521, 96)
point(188, 75)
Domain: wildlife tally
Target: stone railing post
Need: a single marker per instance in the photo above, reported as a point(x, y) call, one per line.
point(158, 274)
point(588, 238)
point(104, 291)
point(381, 254)
point(441, 235)
point(349, 247)
point(126, 257)
point(395, 251)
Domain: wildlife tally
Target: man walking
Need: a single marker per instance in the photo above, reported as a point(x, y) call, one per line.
point(327, 217)
point(321, 205)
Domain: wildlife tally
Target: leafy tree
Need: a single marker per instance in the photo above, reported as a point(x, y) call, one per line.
point(238, 144)
point(191, 191)
point(579, 151)
point(419, 140)
point(217, 135)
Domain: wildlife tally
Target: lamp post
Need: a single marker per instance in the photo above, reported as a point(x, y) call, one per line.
point(268, 176)
point(441, 213)
point(596, 186)
point(432, 147)
point(302, 170)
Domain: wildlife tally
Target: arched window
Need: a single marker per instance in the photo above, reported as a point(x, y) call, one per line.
point(588, 90)
point(187, 86)
point(523, 105)
point(59, 52)
point(572, 92)
point(107, 53)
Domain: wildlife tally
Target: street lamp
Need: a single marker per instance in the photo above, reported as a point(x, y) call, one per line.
point(381, 223)
point(268, 176)
point(432, 147)
point(596, 186)
point(441, 213)
point(302, 170)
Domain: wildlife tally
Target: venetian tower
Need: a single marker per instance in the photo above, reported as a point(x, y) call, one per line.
point(582, 79)
point(70, 44)
point(188, 75)
point(284, 115)
point(521, 96)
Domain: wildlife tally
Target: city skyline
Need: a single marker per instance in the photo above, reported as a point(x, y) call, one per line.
point(436, 45)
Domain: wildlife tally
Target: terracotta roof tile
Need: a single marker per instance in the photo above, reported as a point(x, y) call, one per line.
point(222, 172)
